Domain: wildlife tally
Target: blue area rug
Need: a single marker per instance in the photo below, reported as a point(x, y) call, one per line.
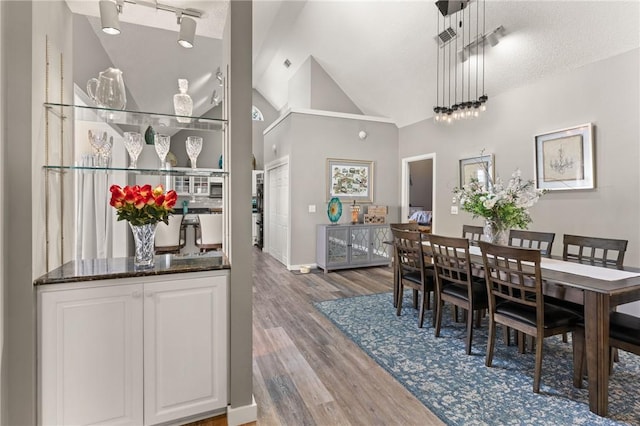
point(459, 388)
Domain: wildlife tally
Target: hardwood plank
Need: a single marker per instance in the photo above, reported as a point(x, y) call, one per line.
point(297, 348)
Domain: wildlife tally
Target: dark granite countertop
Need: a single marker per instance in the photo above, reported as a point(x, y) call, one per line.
point(122, 267)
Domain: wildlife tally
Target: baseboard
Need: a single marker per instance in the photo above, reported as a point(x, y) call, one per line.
point(241, 415)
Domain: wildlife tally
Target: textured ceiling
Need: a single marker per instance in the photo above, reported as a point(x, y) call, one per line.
point(382, 53)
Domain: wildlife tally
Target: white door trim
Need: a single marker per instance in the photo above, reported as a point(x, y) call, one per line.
point(278, 162)
point(404, 187)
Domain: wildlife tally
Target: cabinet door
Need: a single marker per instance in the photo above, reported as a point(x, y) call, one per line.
point(200, 185)
point(380, 250)
point(185, 343)
point(360, 244)
point(181, 185)
point(90, 360)
point(337, 245)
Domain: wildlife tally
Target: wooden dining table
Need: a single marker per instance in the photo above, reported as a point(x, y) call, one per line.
point(599, 290)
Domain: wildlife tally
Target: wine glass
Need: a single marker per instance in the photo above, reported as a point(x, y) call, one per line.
point(162, 143)
point(194, 146)
point(97, 141)
point(133, 143)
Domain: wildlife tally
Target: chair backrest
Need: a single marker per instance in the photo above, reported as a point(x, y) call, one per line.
point(210, 228)
point(451, 261)
point(605, 252)
point(408, 251)
point(542, 241)
point(411, 226)
point(513, 274)
point(169, 235)
point(472, 233)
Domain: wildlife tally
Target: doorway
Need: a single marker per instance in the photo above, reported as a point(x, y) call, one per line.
point(418, 188)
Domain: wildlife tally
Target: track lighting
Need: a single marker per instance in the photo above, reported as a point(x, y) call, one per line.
point(109, 10)
point(187, 31)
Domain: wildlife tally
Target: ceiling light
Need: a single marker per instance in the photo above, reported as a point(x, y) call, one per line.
point(454, 104)
point(187, 32)
point(109, 10)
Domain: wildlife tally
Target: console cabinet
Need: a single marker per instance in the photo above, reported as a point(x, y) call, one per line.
point(352, 246)
point(128, 352)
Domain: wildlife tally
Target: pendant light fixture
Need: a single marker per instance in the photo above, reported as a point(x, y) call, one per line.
point(454, 23)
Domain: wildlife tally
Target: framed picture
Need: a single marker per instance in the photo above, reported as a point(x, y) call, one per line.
point(350, 180)
point(564, 159)
point(476, 168)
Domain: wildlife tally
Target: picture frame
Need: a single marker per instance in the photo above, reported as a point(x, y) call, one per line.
point(564, 159)
point(476, 167)
point(350, 180)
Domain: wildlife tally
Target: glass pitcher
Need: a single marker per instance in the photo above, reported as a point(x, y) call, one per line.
point(108, 89)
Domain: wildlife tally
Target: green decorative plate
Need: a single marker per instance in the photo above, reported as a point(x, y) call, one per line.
point(334, 210)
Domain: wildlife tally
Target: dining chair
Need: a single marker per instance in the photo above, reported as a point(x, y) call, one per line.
point(169, 238)
point(210, 233)
point(624, 334)
point(514, 285)
point(472, 233)
point(413, 272)
point(410, 226)
point(542, 241)
point(455, 283)
point(607, 252)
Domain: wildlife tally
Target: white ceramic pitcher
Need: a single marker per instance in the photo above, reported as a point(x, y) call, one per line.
point(108, 89)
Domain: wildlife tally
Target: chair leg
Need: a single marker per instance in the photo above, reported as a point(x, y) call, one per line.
point(439, 309)
point(490, 342)
point(521, 342)
point(415, 299)
point(400, 293)
point(478, 318)
point(422, 308)
point(506, 335)
point(427, 295)
point(538, 369)
point(470, 331)
point(455, 313)
point(564, 338)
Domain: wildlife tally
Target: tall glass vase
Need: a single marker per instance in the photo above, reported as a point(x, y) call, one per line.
point(144, 238)
point(495, 232)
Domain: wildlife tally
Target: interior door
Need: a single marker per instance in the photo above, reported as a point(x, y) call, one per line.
point(278, 213)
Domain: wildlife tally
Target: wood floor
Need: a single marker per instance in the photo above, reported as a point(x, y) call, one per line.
point(305, 372)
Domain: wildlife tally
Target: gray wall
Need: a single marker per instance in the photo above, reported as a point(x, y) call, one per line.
point(312, 88)
point(24, 126)
point(309, 140)
point(605, 93)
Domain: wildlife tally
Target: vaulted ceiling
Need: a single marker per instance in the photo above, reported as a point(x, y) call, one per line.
point(382, 54)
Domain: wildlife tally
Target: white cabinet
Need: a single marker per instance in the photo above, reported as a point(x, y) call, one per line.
point(193, 185)
point(185, 358)
point(131, 353)
point(91, 356)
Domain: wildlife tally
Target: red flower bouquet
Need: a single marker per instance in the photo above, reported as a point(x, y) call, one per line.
point(142, 205)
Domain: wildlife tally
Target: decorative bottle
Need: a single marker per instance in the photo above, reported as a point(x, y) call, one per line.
point(182, 102)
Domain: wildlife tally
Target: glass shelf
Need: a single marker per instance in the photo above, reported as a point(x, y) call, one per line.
point(136, 118)
point(139, 171)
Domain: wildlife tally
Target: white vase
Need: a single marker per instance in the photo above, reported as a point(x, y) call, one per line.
point(182, 103)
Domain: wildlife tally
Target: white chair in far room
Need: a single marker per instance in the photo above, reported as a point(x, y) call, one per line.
point(169, 238)
point(210, 237)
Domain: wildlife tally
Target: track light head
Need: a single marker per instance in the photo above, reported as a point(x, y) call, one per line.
point(109, 10)
point(187, 32)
